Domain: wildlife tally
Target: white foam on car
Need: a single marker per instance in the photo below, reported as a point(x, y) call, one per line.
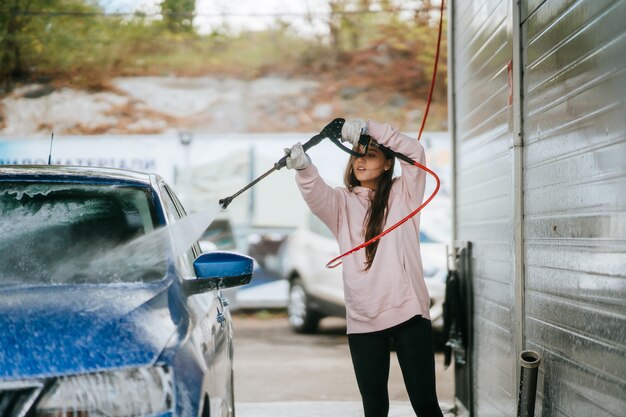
point(144, 251)
point(133, 261)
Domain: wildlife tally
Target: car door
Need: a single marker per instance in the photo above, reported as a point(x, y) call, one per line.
point(321, 247)
point(209, 324)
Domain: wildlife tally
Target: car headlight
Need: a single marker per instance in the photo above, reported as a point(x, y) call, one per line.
point(125, 393)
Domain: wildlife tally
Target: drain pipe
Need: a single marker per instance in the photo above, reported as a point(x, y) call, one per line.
point(529, 361)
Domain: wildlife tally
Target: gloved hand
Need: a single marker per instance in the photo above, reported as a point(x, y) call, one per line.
point(296, 158)
point(352, 131)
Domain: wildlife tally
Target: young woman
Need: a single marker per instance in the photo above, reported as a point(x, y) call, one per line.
point(386, 296)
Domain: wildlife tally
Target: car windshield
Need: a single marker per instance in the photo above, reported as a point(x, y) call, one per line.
point(71, 233)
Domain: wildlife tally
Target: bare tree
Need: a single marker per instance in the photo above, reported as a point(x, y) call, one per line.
point(11, 23)
point(178, 14)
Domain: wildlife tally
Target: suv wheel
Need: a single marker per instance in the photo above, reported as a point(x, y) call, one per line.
point(301, 317)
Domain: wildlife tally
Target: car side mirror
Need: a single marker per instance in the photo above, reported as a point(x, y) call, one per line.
point(219, 270)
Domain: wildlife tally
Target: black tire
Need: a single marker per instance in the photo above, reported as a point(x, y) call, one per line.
point(302, 318)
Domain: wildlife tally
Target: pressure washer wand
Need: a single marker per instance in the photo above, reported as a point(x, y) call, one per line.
point(282, 162)
point(226, 201)
point(331, 131)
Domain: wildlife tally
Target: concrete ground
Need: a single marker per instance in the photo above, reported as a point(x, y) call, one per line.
point(279, 373)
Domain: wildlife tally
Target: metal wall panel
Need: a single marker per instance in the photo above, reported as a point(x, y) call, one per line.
point(483, 187)
point(574, 115)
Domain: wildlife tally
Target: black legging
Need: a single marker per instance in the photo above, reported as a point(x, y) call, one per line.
point(370, 353)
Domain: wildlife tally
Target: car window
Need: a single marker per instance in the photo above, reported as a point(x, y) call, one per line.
point(174, 206)
point(55, 232)
point(172, 212)
point(220, 232)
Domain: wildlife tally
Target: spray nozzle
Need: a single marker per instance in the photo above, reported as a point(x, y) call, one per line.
point(224, 202)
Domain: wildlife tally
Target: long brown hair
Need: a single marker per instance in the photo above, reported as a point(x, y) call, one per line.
point(377, 214)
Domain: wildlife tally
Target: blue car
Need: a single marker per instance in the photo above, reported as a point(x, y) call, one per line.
point(101, 314)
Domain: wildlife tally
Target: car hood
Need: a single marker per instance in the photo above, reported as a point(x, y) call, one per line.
point(60, 330)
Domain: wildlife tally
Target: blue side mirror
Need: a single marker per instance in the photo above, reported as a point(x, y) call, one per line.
point(219, 270)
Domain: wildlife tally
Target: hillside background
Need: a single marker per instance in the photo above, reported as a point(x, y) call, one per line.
point(79, 67)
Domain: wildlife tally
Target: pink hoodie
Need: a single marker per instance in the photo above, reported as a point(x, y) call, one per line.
point(393, 289)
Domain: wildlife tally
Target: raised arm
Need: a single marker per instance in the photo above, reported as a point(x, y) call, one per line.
point(322, 199)
point(413, 179)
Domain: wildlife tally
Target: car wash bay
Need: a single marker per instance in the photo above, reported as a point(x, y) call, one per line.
point(280, 373)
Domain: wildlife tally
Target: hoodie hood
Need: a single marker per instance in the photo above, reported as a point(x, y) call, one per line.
point(363, 192)
point(60, 330)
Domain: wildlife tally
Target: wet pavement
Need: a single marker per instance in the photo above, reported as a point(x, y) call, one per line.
point(317, 409)
point(279, 373)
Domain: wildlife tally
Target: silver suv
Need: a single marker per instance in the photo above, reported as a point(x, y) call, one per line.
point(316, 292)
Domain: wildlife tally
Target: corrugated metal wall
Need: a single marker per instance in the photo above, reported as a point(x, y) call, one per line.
point(571, 302)
point(484, 199)
point(574, 143)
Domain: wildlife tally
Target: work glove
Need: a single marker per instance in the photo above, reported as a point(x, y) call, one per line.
point(352, 131)
point(296, 158)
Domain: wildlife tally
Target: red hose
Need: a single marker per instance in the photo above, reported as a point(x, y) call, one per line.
point(337, 261)
point(432, 82)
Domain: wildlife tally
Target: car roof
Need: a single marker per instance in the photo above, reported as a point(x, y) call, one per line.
point(75, 172)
